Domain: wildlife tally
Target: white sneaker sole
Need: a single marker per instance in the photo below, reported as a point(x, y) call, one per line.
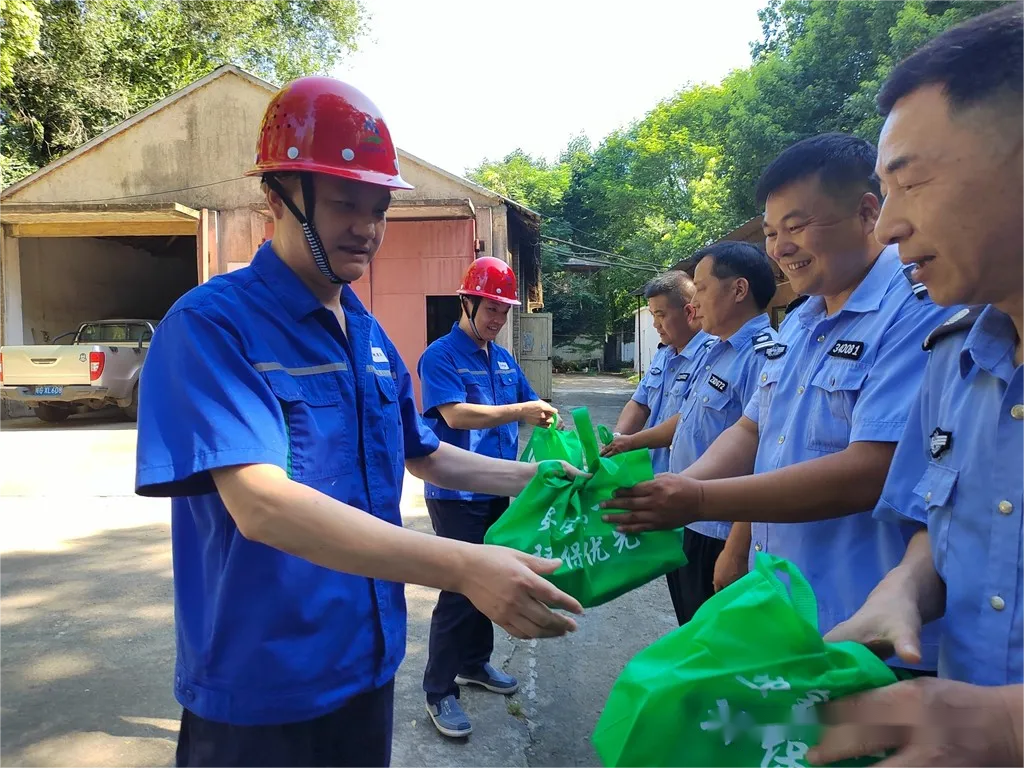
point(460, 680)
point(449, 732)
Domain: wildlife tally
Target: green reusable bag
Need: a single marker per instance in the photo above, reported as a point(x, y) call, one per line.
point(739, 684)
point(547, 443)
point(558, 517)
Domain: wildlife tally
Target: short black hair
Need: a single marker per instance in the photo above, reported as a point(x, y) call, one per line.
point(731, 258)
point(674, 283)
point(843, 164)
point(981, 58)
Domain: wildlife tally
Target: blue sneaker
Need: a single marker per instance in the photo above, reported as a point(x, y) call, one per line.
point(491, 679)
point(449, 718)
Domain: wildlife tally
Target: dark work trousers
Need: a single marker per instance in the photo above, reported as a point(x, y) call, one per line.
point(356, 734)
point(691, 585)
point(461, 638)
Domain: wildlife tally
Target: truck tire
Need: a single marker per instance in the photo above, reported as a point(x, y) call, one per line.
point(132, 411)
point(51, 413)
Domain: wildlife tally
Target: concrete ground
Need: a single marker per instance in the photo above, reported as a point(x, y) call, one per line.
point(86, 619)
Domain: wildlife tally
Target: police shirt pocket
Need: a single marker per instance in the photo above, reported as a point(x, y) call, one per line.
point(766, 385)
point(714, 410)
point(834, 389)
point(314, 412)
point(937, 491)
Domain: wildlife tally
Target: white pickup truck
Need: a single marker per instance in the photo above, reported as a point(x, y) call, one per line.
point(100, 367)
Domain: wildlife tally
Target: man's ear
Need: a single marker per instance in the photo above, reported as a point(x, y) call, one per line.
point(690, 311)
point(868, 211)
point(741, 289)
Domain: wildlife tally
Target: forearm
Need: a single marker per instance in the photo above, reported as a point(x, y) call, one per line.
point(454, 468)
point(832, 486)
point(738, 540)
point(1013, 696)
point(474, 416)
point(632, 418)
point(916, 576)
point(294, 518)
point(732, 454)
point(656, 437)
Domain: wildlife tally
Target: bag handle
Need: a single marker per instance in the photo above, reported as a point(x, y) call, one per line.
point(799, 594)
point(607, 438)
point(585, 430)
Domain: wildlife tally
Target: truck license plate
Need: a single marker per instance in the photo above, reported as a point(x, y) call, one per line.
point(49, 391)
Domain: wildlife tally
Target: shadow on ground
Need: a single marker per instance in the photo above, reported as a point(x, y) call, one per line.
point(88, 652)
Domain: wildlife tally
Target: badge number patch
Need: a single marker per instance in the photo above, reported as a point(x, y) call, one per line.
point(378, 355)
point(717, 383)
point(502, 365)
point(940, 442)
point(683, 376)
point(849, 350)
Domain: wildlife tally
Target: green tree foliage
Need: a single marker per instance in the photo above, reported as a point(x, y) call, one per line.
point(79, 66)
point(684, 174)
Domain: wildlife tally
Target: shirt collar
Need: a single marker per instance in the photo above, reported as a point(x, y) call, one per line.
point(694, 345)
point(748, 330)
point(298, 300)
point(463, 342)
point(990, 345)
point(866, 297)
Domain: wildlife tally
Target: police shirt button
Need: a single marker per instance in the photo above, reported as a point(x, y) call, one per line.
point(782, 439)
point(800, 389)
point(821, 339)
point(764, 377)
point(190, 694)
point(705, 398)
point(1017, 412)
point(757, 547)
point(707, 367)
point(997, 602)
point(928, 496)
point(1005, 507)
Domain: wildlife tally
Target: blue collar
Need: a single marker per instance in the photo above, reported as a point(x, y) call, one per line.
point(748, 330)
point(293, 294)
point(990, 345)
point(866, 297)
point(693, 346)
point(464, 342)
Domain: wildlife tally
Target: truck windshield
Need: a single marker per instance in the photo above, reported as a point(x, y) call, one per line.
point(111, 333)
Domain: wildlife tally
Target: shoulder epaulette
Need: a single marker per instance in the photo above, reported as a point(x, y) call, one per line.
point(795, 303)
point(961, 321)
point(919, 289)
point(763, 341)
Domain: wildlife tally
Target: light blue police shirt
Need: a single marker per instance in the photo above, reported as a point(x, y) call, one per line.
point(837, 380)
point(723, 383)
point(959, 469)
point(455, 370)
point(250, 368)
point(666, 385)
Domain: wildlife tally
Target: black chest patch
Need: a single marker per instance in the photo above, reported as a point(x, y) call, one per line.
point(848, 350)
point(775, 351)
point(940, 442)
point(720, 384)
point(683, 376)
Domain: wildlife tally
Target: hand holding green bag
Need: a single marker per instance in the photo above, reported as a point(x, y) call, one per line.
point(739, 684)
point(556, 516)
point(551, 443)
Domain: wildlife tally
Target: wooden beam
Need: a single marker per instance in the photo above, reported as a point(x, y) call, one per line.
point(115, 228)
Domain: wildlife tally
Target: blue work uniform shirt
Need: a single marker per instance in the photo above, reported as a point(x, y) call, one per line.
point(250, 368)
point(836, 380)
point(723, 384)
point(958, 470)
point(666, 384)
point(455, 370)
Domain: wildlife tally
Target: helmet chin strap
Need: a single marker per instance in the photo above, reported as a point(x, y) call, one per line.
point(475, 304)
point(316, 245)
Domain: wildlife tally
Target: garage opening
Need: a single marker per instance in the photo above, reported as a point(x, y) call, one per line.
point(67, 281)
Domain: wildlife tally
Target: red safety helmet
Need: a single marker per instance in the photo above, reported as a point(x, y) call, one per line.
point(322, 125)
point(491, 278)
